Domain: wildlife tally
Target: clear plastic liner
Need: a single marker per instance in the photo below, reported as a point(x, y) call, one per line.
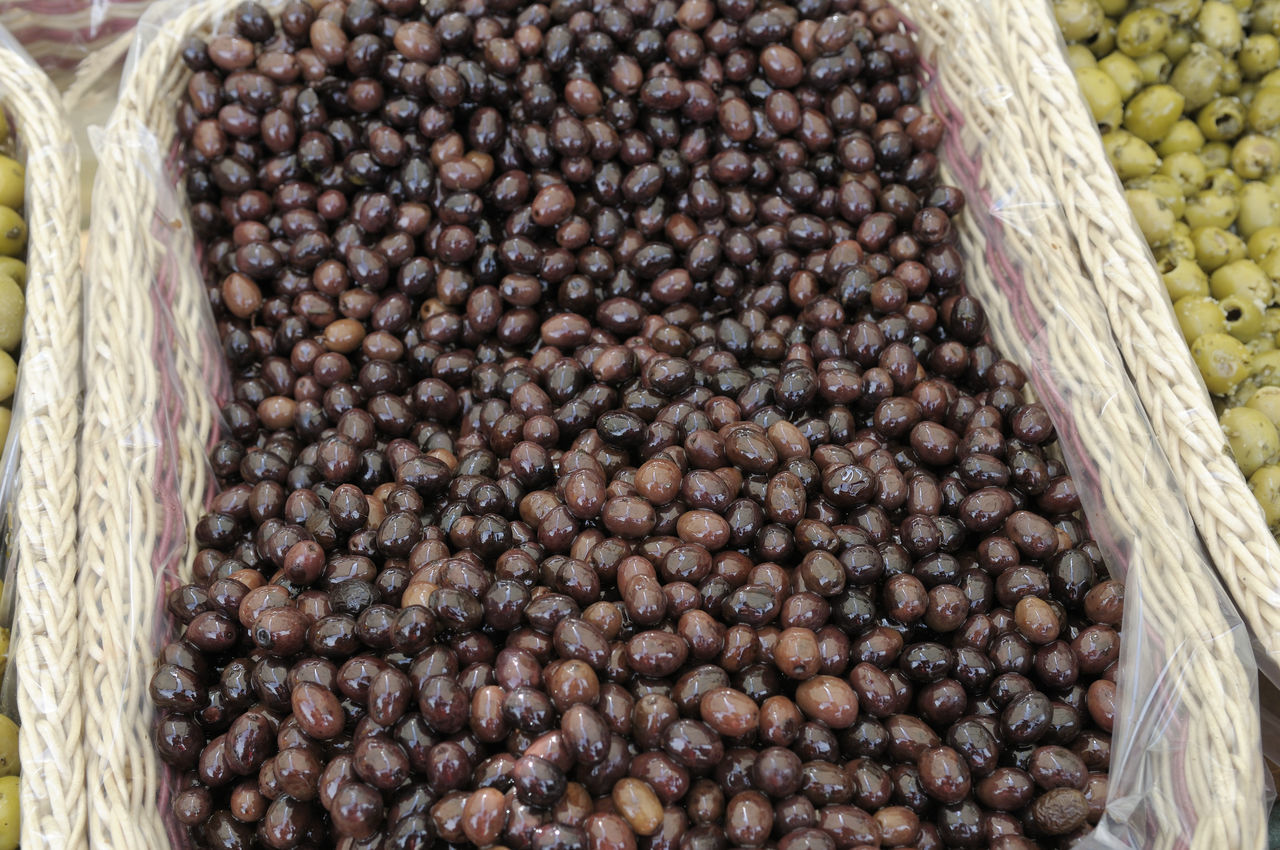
point(60, 34)
point(1187, 769)
point(38, 487)
point(81, 45)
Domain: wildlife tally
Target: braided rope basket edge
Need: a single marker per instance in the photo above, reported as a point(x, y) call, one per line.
point(45, 653)
point(1205, 778)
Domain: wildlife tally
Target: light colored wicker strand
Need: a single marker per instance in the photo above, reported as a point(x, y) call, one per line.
point(1204, 788)
point(45, 653)
point(131, 531)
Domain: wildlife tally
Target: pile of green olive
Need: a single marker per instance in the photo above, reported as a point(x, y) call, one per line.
point(13, 279)
point(13, 310)
point(1186, 94)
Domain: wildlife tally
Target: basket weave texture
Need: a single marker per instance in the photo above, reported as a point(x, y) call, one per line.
point(1191, 768)
point(45, 654)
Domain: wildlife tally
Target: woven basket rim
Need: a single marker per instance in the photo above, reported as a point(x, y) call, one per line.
point(45, 650)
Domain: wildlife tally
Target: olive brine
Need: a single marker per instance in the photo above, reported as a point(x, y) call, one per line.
point(616, 461)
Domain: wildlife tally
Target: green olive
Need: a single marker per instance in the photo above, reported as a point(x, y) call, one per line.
point(13, 232)
point(1130, 156)
point(1125, 72)
point(1244, 278)
point(1180, 10)
point(1198, 315)
point(1231, 80)
point(13, 311)
point(1260, 54)
point(1185, 279)
point(8, 376)
point(1078, 19)
point(1211, 209)
point(1218, 26)
point(14, 268)
point(1270, 322)
point(1255, 156)
point(1223, 361)
point(1222, 181)
point(1104, 40)
point(1260, 345)
point(1252, 437)
point(1180, 247)
point(1079, 57)
point(1215, 155)
point(4, 644)
point(1259, 208)
point(1264, 111)
point(1141, 32)
point(1270, 265)
point(1154, 67)
point(1264, 371)
point(1266, 17)
point(1265, 484)
point(1103, 96)
point(1168, 190)
point(1115, 8)
point(1263, 241)
point(1176, 45)
point(1246, 93)
point(1198, 75)
point(10, 821)
point(1183, 137)
point(9, 764)
point(1216, 247)
point(1221, 119)
point(1267, 402)
point(1187, 168)
point(1153, 215)
point(1151, 114)
point(1244, 318)
point(12, 182)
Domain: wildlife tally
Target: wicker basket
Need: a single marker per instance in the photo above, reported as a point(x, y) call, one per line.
point(1115, 255)
point(1191, 775)
point(1022, 146)
point(45, 657)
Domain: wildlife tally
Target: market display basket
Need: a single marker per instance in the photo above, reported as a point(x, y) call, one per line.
point(40, 485)
point(1187, 770)
point(1114, 254)
point(1117, 257)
